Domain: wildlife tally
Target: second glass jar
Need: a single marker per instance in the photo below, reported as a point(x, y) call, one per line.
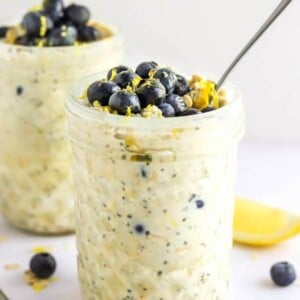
point(35, 156)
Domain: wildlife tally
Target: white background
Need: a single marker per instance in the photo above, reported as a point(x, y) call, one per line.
point(195, 35)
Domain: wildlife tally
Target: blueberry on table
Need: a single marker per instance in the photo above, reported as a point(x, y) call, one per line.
point(42, 265)
point(167, 78)
point(112, 73)
point(125, 102)
point(3, 30)
point(167, 110)
point(101, 91)
point(151, 92)
point(127, 78)
point(62, 36)
point(88, 33)
point(177, 102)
point(54, 9)
point(36, 24)
point(144, 68)
point(190, 111)
point(182, 86)
point(77, 14)
point(283, 274)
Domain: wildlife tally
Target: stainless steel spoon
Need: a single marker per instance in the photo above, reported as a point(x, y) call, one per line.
point(3, 296)
point(279, 9)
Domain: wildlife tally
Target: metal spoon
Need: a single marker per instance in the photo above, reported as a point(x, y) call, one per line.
point(3, 296)
point(279, 9)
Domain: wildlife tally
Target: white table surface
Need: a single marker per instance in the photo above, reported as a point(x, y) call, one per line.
point(266, 172)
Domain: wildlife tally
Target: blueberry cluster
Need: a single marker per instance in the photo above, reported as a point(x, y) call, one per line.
point(53, 24)
point(149, 91)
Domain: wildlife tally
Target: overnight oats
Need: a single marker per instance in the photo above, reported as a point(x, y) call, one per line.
point(154, 171)
point(39, 59)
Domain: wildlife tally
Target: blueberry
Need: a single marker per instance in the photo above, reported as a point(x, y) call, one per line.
point(144, 68)
point(167, 78)
point(125, 78)
point(3, 30)
point(54, 9)
point(199, 203)
point(151, 92)
point(283, 274)
point(207, 109)
point(177, 102)
point(88, 33)
point(77, 14)
point(101, 91)
point(167, 110)
point(125, 102)
point(62, 36)
point(112, 73)
point(42, 265)
point(139, 228)
point(36, 24)
point(181, 86)
point(26, 41)
point(190, 111)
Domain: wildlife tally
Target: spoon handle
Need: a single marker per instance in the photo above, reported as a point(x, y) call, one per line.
point(279, 9)
point(3, 296)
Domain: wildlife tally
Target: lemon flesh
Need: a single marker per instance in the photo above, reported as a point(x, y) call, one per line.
point(256, 224)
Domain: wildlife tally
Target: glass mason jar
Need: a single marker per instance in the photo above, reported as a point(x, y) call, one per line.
point(154, 201)
point(35, 155)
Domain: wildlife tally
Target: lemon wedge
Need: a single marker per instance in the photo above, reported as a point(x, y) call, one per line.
point(256, 224)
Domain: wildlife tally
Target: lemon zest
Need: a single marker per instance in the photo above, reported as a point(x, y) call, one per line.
point(129, 112)
point(135, 82)
point(36, 8)
point(43, 29)
point(113, 74)
point(41, 249)
point(83, 95)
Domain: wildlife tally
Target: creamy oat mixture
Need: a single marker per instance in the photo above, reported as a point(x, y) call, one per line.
point(154, 201)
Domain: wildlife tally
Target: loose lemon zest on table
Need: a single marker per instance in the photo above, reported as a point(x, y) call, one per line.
point(41, 249)
point(38, 284)
point(11, 267)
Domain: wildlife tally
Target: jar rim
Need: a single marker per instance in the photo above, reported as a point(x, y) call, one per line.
point(74, 107)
